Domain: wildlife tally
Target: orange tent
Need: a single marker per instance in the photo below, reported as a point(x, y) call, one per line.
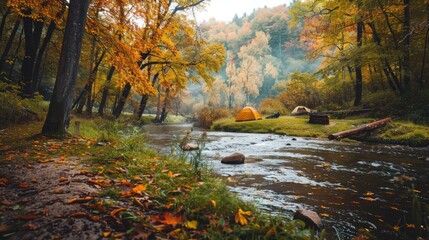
point(248, 114)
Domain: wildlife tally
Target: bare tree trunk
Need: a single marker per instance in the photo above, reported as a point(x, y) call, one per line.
point(32, 40)
point(164, 111)
point(407, 41)
point(9, 43)
point(3, 21)
point(105, 91)
point(392, 79)
point(158, 105)
point(144, 99)
point(15, 55)
point(38, 62)
point(122, 100)
point(422, 80)
point(358, 67)
point(58, 116)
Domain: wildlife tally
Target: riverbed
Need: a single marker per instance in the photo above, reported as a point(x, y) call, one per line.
point(354, 187)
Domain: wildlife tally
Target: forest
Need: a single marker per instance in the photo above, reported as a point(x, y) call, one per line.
point(86, 86)
point(320, 54)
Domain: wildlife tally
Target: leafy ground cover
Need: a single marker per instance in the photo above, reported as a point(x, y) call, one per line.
point(398, 132)
point(105, 183)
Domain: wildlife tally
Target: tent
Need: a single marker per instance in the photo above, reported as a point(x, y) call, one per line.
point(301, 110)
point(248, 114)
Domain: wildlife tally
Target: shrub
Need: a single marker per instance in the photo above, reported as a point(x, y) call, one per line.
point(14, 109)
point(271, 106)
point(207, 116)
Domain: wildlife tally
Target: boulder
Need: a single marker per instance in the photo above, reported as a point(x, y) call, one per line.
point(235, 158)
point(190, 147)
point(310, 218)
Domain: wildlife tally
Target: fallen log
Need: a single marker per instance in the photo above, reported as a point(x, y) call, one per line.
point(360, 129)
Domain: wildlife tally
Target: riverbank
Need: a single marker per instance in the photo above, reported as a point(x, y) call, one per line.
point(104, 183)
point(395, 132)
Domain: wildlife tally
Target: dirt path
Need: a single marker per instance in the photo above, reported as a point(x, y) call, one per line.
point(43, 196)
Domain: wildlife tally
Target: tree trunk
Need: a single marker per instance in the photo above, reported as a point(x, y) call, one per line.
point(407, 39)
point(39, 57)
point(392, 79)
point(422, 70)
point(9, 43)
point(158, 105)
point(144, 99)
point(32, 40)
point(105, 91)
point(122, 100)
point(15, 55)
point(3, 21)
point(358, 67)
point(58, 116)
point(164, 111)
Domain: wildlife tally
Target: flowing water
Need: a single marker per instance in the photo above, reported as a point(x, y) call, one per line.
point(353, 186)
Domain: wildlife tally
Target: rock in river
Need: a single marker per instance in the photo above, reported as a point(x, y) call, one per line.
point(310, 218)
point(190, 147)
point(235, 158)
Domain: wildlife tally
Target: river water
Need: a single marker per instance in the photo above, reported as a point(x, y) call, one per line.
point(353, 186)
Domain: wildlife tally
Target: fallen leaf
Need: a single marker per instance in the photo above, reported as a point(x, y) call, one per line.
point(26, 217)
point(191, 224)
point(118, 235)
point(396, 228)
point(240, 217)
point(31, 226)
point(23, 185)
point(114, 212)
point(139, 189)
point(106, 234)
point(411, 226)
point(80, 200)
point(368, 194)
point(3, 182)
point(78, 214)
point(168, 218)
point(213, 202)
point(63, 179)
point(324, 215)
point(126, 183)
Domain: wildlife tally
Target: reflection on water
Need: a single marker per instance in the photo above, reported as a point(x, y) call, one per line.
point(350, 185)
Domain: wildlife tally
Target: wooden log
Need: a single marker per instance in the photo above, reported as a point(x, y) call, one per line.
point(360, 129)
point(317, 118)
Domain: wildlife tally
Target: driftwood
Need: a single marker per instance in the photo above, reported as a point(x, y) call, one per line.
point(317, 118)
point(360, 129)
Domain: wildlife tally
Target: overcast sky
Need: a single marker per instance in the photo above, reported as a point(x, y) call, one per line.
point(224, 10)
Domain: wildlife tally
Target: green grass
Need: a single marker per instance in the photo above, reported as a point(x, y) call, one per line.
point(293, 126)
point(398, 132)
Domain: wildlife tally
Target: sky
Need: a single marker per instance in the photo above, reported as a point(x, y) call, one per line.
point(224, 10)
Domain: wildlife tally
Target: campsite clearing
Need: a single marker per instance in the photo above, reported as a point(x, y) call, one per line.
point(395, 132)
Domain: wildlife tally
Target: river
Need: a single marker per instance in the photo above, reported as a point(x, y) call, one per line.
point(353, 186)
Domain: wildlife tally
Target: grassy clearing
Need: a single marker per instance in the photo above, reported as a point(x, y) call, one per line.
point(398, 132)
